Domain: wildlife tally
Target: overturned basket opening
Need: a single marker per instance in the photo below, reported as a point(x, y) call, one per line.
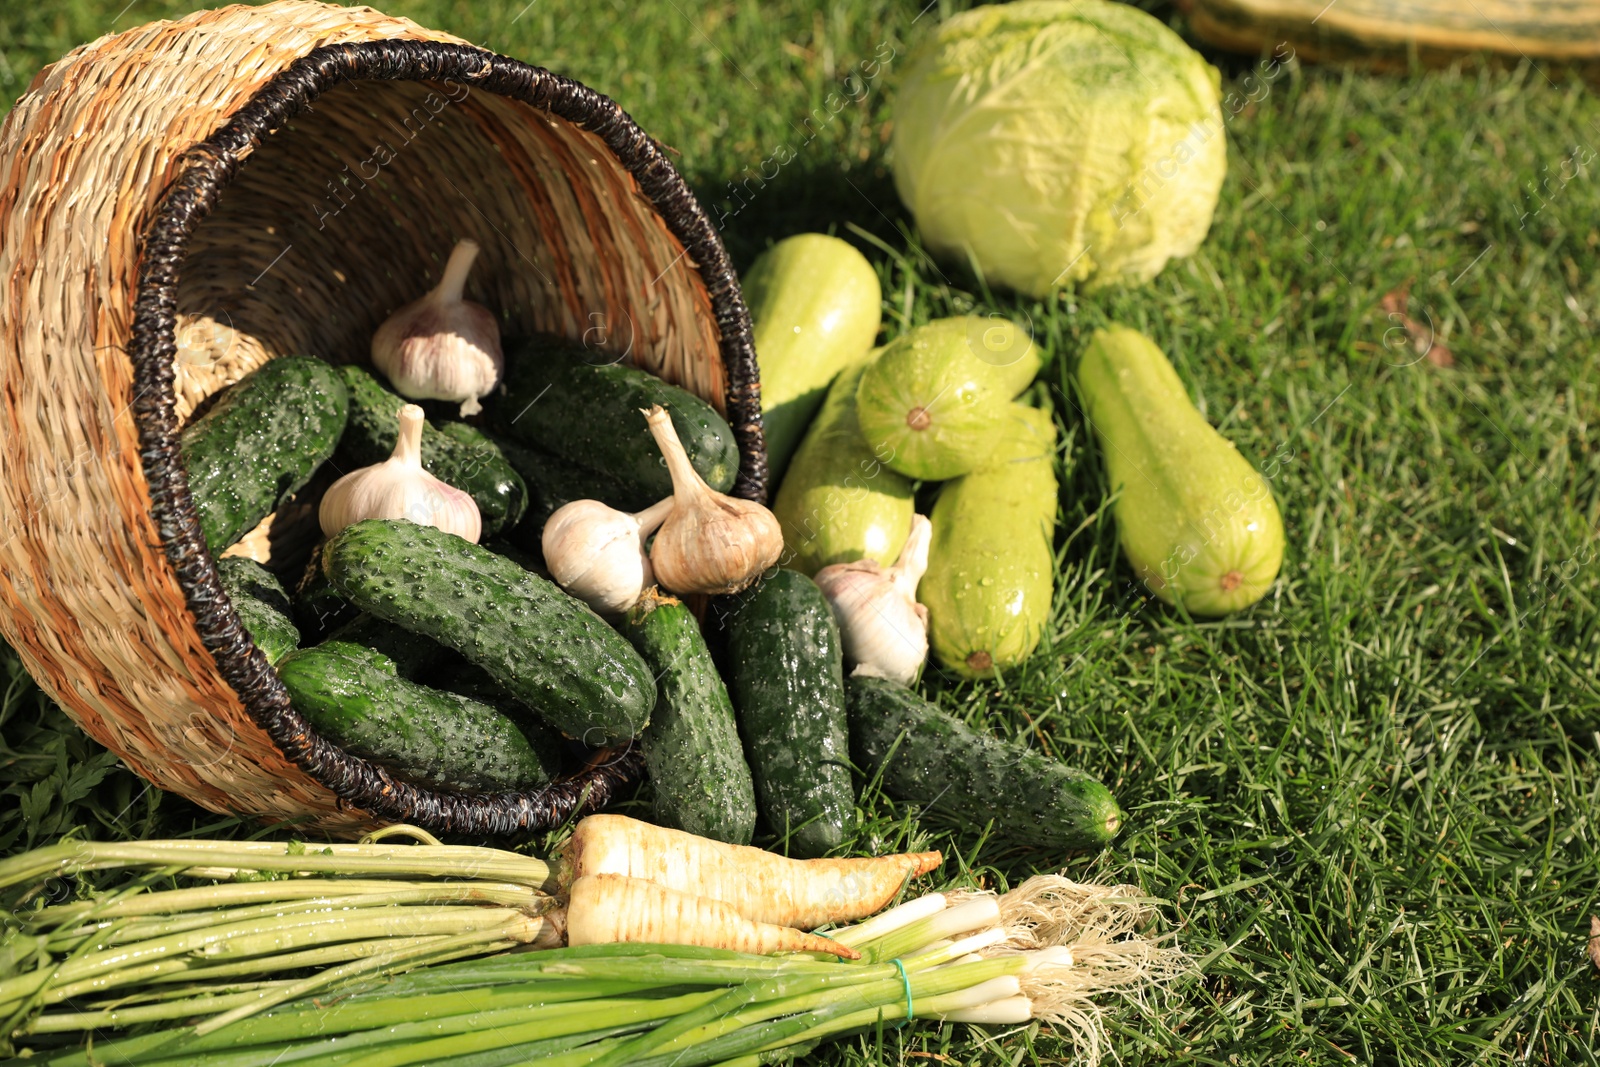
point(331, 198)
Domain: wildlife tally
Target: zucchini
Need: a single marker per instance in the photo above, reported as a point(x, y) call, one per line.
point(691, 747)
point(589, 416)
point(549, 650)
point(1197, 520)
point(931, 403)
point(261, 441)
point(991, 563)
point(927, 757)
point(262, 604)
point(453, 452)
point(838, 503)
point(815, 308)
point(354, 696)
point(786, 675)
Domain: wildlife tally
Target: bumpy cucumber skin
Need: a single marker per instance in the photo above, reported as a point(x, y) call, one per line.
point(838, 503)
point(786, 676)
point(991, 563)
point(353, 695)
point(959, 373)
point(815, 308)
point(1196, 519)
point(691, 747)
point(590, 416)
point(455, 453)
point(262, 604)
point(943, 763)
point(473, 682)
point(260, 442)
point(549, 650)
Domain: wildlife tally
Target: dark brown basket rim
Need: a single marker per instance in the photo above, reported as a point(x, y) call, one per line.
point(206, 168)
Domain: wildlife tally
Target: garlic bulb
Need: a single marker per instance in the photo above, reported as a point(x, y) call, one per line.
point(442, 347)
point(398, 488)
point(597, 554)
point(710, 543)
point(883, 628)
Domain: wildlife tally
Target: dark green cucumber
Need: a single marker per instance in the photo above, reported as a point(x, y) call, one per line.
point(319, 608)
point(553, 482)
point(262, 604)
point(414, 656)
point(928, 757)
point(549, 650)
point(473, 682)
point(261, 441)
point(353, 695)
point(589, 416)
point(453, 452)
point(691, 747)
point(786, 676)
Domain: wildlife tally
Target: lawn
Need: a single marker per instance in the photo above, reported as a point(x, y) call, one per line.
point(1371, 801)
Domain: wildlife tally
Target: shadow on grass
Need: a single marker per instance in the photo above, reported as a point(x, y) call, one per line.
point(808, 195)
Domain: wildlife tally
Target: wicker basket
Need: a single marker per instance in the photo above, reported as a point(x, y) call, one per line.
point(186, 200)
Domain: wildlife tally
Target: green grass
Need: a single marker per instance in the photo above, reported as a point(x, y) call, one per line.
point(1372, 799)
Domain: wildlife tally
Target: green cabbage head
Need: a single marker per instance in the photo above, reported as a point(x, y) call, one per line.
point(1060, 141)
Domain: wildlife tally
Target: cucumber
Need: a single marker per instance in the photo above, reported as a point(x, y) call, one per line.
point(453, 452)
point(991, 563)
point(1197, 520)
point(413, 655)
point(549, 650)
point(553, 482)
point(261, 441)
point(353, 695)
point(589, 416)
point(319, 608)
point(930, 405)
point(262, 604)
point(691, 747)
point(838, 503)
point(930, 758)
point(469, 680)
point(815, 308)
point(786, 675)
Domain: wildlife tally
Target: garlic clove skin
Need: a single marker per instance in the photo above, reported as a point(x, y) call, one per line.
point(710, 543)
point(441, 346)
point(596, 553)
point(398, 488)
point(882, 627)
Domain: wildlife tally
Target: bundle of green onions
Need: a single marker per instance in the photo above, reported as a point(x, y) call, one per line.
point(347, 910)
point(360, 914)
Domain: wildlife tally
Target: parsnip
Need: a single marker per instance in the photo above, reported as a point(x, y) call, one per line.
point(758, 885)
point(605, 908)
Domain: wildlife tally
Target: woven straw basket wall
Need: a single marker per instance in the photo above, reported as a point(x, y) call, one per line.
point(183, 201)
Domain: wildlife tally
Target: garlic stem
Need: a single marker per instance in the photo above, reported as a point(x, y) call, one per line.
point(709, 543)
point(651, 518)
point(408, 446)
point(453, 283)
point(908, 570)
